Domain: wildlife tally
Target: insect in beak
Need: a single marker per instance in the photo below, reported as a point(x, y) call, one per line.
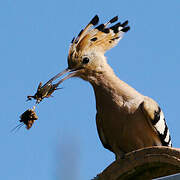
point(47, 89)
point(27, 119)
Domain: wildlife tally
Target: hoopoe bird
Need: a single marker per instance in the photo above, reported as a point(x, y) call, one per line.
point(126, 120)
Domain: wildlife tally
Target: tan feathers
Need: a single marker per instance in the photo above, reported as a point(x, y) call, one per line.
point(101, 37)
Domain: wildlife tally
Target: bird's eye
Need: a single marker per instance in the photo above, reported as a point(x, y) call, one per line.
point(85, 60)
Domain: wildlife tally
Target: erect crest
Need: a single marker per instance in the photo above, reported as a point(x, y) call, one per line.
point(102, 37)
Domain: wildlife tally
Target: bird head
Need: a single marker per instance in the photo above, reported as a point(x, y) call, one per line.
point(86, 54)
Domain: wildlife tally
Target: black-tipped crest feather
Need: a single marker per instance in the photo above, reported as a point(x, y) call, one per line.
point(72, 40)
point(106, 30)
point(114, 19)
point(115, 27)
point(80, 32)
point(124, 23)
point(94, 20)
point(125, 29)
point(100, 27)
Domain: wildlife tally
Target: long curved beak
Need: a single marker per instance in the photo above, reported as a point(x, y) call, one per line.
point(72, 72)
point(57, 76)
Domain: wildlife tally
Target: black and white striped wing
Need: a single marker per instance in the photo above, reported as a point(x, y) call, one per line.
point(160, 125)
point(157, 120)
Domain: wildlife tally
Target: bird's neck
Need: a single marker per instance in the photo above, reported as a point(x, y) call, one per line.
point(108, 87)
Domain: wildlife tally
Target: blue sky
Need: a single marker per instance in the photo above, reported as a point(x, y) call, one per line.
point(34, 42)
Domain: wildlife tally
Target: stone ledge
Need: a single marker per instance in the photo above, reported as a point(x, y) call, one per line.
point(146, 163)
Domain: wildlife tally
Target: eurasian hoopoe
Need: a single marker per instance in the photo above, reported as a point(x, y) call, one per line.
point(126, 120)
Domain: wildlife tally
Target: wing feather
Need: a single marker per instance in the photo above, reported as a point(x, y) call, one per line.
point(156, 118)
